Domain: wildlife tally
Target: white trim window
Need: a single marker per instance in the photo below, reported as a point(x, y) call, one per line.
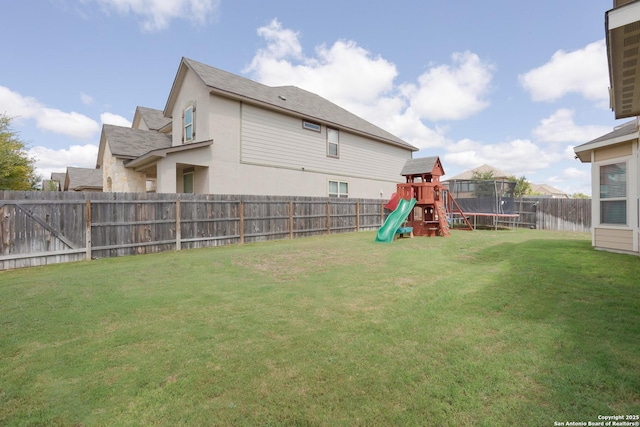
point(188, 124)
point(613, 193)
point(333, 143)
point(338, 189)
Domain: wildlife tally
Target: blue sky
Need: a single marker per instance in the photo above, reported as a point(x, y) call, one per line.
point(512, 84)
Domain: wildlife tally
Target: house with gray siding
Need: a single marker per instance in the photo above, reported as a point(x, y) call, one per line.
point(222, 133)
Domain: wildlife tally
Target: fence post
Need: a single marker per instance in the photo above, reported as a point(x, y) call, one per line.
point(381, 214)
point(87, 211)
point(358, 215)
point(241, 209)
point(290, 219)
point(328, 217)
point(178, 231)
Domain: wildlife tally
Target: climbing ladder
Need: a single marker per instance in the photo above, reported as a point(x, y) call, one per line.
point(442, 219)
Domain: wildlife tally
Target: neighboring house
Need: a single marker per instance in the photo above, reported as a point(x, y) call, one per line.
point(83, 179)
point(222, 133)
point(465, 185)
point(546, 190)
point(615, 185)
point(55, 183)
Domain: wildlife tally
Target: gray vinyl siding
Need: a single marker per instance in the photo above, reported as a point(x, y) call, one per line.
point(277, 140)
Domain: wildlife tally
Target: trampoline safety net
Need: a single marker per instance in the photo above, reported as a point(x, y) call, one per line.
point(483, 196)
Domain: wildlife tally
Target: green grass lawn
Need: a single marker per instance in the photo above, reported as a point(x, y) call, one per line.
point(490, 328)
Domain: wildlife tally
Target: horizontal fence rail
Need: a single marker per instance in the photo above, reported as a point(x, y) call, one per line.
point(554, 214)
point(39, 228)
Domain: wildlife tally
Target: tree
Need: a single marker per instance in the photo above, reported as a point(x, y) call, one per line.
point(486, 186)
point(580, 196)
point(523, 187)
point(17, 169)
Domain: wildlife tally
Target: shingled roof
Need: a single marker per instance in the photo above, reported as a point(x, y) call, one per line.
point(621, 133)
point(78, 179)
point(128, 142)
point(422, 165)
point(58, 176)
point(154, 119)
point(296, 101)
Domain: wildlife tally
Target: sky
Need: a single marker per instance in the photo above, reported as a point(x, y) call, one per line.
point(515, 85)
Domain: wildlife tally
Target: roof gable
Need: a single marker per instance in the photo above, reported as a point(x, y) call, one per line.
point(288, 99)
point(153, 119)
point(58, 176)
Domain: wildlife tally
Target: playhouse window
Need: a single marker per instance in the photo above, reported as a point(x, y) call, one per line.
point(338, 189)
point(189, 132)
point(333, 142)
point(613, 193)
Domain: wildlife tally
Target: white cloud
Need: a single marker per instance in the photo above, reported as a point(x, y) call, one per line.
point(74, 125)
point(49, 160)
point(86, 99)
point(155, 15)
point(560, 127)
point(583, 71)
point(114, 119)
point(410, 128)
point(519, 156)
point(452, 92)
point(281, 42)
point(363, 83)
point(344, 73)
point(573, 180)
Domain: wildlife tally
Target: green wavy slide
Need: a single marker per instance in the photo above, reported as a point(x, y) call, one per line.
point(395, 218)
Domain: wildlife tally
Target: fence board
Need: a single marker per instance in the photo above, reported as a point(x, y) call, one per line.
point(554, 214)
point(39, 228)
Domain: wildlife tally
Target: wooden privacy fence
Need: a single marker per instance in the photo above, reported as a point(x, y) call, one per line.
point(553, 214)
point(38, 228)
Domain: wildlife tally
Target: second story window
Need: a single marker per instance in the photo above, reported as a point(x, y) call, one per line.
point(189, 121)
point(333, 143)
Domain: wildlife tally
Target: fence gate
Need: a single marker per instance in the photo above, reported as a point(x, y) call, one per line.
point(40, 232)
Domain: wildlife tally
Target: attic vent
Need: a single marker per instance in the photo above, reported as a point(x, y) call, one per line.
point(284, 98)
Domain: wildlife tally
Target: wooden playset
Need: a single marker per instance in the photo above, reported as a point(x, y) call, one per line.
point(429, 215)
